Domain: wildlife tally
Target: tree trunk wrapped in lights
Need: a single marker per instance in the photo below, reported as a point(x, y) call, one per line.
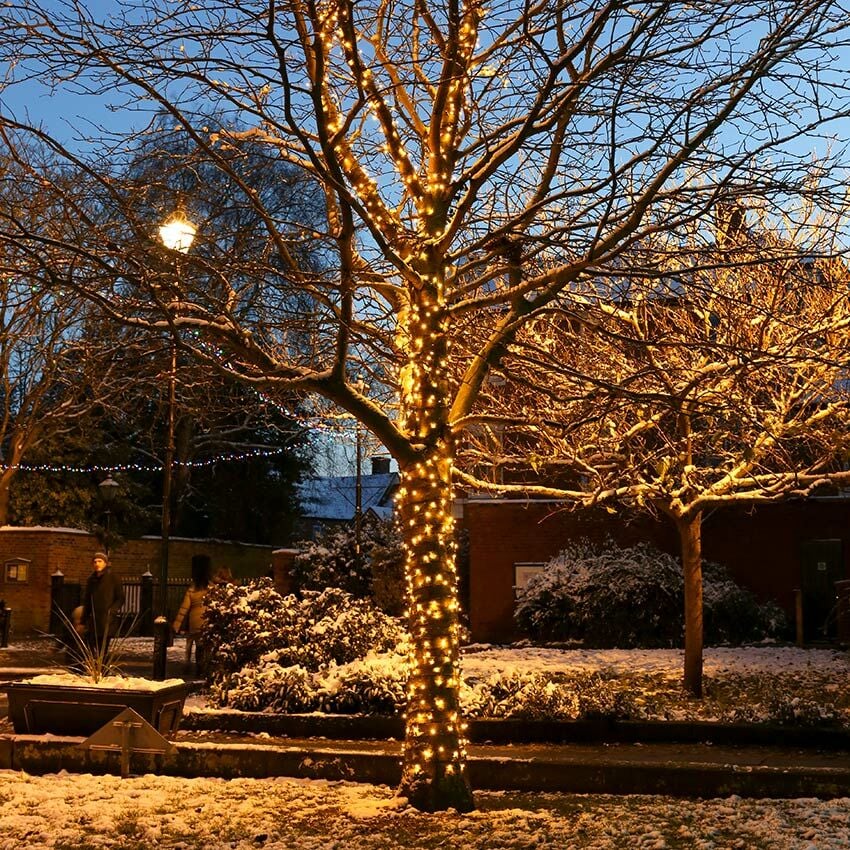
point(434, 770)
point(480, 164)
point(434, 763)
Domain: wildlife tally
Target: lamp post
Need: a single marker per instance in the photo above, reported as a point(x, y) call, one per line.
point(177, 234)
point(108, 490)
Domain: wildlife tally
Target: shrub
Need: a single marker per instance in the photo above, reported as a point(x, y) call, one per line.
point(376, 685)
point(342, 628)
point(607, 596)
point(256, 636)
point(732, 614)
point(268, 686)
point(332, 560)
point(377, 571)
point(244, 623)
point(386, 557)
point(536, 696)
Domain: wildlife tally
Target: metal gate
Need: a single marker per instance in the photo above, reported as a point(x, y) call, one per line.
point(821, 565)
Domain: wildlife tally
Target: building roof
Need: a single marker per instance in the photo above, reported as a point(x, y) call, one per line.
point(334, 497)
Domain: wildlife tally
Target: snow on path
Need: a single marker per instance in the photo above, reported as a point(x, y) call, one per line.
point(93, 812)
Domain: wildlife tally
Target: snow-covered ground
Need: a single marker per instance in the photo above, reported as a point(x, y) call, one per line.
point(88, 813)
point(481, 660)
point(73, 812)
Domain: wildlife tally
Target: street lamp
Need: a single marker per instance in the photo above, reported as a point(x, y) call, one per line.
point(177, 234)
point(108, 491)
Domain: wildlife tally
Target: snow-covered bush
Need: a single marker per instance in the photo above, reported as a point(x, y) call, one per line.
point(268, 685)
point(244, 623)
point(253, 633)
point(376, 571)
point(732, 614)
point(332, 560)
point(376, 685)
point(340, 628)
point(607, 596)
point(386, 557)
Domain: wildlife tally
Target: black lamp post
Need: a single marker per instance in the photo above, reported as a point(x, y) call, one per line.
point(108, 491)
point(177, 234)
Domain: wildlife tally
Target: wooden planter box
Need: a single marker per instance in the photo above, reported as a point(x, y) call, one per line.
point(78, 710)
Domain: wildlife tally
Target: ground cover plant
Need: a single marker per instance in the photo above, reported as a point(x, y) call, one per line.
point(604, 595)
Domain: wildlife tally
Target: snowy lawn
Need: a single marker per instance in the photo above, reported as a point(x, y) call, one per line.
point(66, 812)
point(769, 683)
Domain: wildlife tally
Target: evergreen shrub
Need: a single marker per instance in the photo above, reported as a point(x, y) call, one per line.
point(602, 595)
point(376, 571)
point(254, 635)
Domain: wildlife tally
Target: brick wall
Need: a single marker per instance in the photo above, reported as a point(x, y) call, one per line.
point(70, 552)
point(759, 546)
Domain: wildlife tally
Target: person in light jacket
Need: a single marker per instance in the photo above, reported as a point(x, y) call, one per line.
point(194, 605)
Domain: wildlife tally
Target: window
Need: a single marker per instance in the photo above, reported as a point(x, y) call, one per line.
point(17, 571)
point(523, 571)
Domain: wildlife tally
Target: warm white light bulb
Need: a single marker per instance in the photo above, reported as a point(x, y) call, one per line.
point(178, 233)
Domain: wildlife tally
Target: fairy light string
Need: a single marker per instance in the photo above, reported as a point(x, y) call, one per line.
point(141, 467)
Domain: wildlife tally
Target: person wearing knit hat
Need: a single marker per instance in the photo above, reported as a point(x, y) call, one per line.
point(102, 601)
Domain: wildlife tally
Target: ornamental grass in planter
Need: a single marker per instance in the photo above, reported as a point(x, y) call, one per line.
point(91, 693)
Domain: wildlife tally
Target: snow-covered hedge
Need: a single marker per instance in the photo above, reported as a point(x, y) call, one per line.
point(607, 596)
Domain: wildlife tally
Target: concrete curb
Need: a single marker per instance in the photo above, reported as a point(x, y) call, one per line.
point(600, 775)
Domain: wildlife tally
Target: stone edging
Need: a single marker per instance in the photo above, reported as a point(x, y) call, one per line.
point(366, 727)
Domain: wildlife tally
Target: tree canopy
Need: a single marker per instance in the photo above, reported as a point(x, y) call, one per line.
point(479, 163)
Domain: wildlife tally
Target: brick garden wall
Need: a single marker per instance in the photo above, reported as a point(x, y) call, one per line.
point(760, 547)
point(70, 552)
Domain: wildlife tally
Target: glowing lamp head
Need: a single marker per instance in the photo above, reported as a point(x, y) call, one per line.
point(178, 233)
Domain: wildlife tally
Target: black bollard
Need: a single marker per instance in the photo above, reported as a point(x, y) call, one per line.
point(160, 648)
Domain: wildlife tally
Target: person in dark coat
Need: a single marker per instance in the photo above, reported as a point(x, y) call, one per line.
point(103, 598)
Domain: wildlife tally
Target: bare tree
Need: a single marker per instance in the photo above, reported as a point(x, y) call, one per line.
point(51, 374)
point(475, 159)
point(705, 377)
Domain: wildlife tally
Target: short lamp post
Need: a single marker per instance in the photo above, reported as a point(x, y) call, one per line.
point(176, 234)
point(108, 491)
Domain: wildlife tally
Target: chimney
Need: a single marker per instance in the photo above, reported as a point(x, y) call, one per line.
point(380, 465)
